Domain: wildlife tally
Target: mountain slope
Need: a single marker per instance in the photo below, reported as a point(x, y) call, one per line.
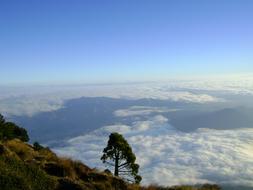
point(26, 167)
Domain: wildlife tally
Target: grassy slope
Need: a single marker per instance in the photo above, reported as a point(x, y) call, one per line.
point(24, 168)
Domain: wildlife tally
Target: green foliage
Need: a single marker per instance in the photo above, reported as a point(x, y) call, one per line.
point(9, 130)
point(121, 157)
point(37, 146)
point(2, 120)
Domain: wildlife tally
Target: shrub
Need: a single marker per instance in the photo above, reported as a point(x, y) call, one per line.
point(9, 130)
point(37, 146)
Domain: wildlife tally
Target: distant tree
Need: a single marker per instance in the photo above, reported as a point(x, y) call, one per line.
point(9, 130)
point(119, 155)
point(37, 146)
point(2, 120)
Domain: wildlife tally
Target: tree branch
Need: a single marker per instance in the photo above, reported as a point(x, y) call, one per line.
point(123, 164)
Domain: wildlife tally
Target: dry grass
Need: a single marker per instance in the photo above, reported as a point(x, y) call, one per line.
point(68, 166)
point(63, 172)
point(24, 151)
point(47, 155)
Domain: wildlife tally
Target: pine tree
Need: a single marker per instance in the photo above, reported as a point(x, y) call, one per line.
point(119, 155)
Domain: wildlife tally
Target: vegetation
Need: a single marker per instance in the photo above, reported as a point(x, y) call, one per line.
point(26, 167)
point(22, 167)
point(121, 157)
point(37, 146)
point(9, 130)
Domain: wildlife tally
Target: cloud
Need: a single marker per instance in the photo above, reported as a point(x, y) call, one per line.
point(32, 100)
point(170, 157)
point(35, 99)
point(30, 105)
point(119, 128)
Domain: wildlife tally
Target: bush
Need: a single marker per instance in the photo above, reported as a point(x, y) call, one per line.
point(9, 130)
point(37, 146)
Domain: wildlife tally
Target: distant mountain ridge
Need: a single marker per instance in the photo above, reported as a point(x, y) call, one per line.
point(229, 118)
point(83, 115)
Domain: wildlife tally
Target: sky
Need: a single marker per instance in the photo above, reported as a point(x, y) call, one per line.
point(96, 41)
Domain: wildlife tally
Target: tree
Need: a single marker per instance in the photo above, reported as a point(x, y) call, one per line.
point(118, 154)
point(9, 130)
point(37, 146)
point(2, 120)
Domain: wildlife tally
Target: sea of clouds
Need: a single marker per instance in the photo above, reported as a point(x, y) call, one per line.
point(170, 157)
point(30, 100)
point(166, 156)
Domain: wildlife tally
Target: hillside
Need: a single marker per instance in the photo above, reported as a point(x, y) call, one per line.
point(26, 167)
point(34, 167)
point(22, 167)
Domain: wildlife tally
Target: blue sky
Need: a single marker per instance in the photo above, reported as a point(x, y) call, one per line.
point(89, 41)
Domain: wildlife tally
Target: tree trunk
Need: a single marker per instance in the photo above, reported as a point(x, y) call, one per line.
point(116, 170)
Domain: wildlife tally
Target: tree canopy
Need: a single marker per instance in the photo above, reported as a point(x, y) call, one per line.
point(9, 130)
point(119, 154)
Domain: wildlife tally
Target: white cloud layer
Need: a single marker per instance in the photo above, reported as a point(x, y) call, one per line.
point(170, 157)
point(31, 100)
